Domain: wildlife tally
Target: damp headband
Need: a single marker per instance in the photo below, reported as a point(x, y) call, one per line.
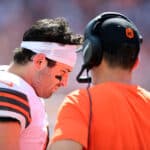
point(63, 53)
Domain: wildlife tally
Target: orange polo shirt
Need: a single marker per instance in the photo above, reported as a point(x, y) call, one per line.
point(120, 117)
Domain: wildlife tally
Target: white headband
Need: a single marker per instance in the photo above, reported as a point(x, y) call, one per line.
point(65, 54)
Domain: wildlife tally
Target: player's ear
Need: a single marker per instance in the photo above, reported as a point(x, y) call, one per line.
point(39, 61)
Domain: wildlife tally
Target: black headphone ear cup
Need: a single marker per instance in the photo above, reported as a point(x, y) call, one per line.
point(87, 52)
point(92, 52)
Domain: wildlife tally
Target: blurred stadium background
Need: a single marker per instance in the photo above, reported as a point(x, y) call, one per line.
point(18, 15)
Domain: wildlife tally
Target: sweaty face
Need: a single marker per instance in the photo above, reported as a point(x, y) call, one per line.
point(48, 80)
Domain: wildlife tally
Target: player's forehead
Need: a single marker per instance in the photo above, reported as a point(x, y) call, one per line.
point(63, 67)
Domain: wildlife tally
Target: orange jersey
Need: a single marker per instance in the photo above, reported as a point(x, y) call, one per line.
point(120, 118)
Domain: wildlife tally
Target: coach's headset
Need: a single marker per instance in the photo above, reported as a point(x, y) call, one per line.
point(92, 47)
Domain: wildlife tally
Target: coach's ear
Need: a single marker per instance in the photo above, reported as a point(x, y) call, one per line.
point(39, 61)
point(136, 64)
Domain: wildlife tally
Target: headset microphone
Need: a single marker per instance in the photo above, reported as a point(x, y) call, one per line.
point(83, 79)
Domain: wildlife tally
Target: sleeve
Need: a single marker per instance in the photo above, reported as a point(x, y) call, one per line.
point(15, 105)
point(73, 119)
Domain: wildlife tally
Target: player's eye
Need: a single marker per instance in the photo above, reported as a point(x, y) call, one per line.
point(59, 77)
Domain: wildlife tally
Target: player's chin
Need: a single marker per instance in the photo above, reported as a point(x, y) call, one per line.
point(48, 95)
point(54, 89)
